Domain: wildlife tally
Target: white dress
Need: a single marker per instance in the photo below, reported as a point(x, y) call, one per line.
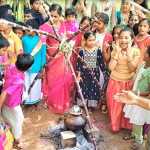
point(138, 115)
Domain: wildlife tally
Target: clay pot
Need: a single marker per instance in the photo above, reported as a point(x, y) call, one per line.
point(74, 122)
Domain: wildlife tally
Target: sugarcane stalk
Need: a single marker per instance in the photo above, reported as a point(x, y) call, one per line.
point(84, 104)
point(29, 29)
point(68, 40)
point(20, 10)
point(28, 4)
point(10, 2)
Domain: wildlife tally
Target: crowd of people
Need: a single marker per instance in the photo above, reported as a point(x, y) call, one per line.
point(110, 53)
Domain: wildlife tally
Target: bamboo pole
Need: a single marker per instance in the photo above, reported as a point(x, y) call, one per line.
point(27, 28)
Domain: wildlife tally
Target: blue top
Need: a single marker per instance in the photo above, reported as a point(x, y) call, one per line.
point(29, 43)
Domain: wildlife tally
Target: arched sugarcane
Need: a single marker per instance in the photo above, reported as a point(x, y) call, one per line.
point(66, 47)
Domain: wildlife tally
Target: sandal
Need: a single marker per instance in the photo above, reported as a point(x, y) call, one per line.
point(128, 137)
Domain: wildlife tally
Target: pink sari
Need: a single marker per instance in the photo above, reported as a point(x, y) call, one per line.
point(58, 81)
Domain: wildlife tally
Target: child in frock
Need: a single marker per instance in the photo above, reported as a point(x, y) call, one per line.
point(103, 40)
point(139, 116)
point(123, 64)
point(89, 71)
point(71, 25)
point(142, 39)
point(10, 98)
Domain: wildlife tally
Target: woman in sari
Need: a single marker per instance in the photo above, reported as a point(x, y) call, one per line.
point(38, 51)
point(58, 80)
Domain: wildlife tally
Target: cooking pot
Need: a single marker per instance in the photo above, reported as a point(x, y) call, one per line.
point(75, 120)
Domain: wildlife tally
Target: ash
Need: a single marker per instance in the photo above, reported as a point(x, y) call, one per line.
point(83, 141)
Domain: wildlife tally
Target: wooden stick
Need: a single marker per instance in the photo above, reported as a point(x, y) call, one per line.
point(84, 104)
point(27, 28)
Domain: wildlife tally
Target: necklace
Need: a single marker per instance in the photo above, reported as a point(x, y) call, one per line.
point(124, 53)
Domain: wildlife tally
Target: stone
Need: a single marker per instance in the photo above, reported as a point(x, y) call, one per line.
point(68, 139)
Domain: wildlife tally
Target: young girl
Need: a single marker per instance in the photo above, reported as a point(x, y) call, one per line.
point(105, 6)
point(71, 25)
point(35, 94)
point(103, 38)
point(143, 38)
point(10, 98)
point(82, 8)
point(133, 19)
point(139, 116)
point(115, 34)
point(89, 71)
point(58, 78)
point(123, 64)
point(85, 21)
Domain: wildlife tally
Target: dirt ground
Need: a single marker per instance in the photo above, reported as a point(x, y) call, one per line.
point(37, 121)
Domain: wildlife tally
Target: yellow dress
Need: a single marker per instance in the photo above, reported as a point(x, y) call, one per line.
point(120, 79)
point(122, 72)
point(15, 47)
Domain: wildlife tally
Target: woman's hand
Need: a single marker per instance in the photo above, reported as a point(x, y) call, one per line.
point(126, 97)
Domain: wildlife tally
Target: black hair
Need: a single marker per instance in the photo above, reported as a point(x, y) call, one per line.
point(3, 41)
point(70, 11)
point(135, 29)
point(148, 51)
point(124, 1)
point(32, 23)
point(28, 11)
point(85, 18)
point(5, 10)
point(24, 62)
point(74, 2)
point(88, 34)
point(56, 7)
point(128, 29)
point(10, 18)
point(117, 26)
point(103, 17)
point(131, 15)
point(33, 1)
point(145, 19)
